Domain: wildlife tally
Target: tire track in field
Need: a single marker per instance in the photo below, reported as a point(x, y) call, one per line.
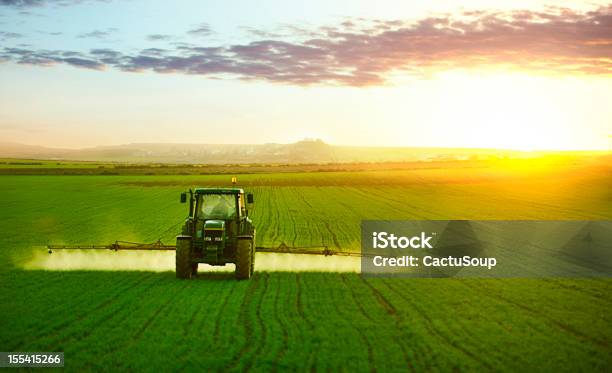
point(309, 216)
point(312, 357)
point(392, 312)
point(277, 312)
point(135, 337)
point(299, 304)
point(364, 337)
point(218, 292)
point(304, 200)
point(542, 315)
point(475, 342)
point(292, 218)
point(247, 304)
point(195, 312)
point(434, 331)
point(316, 224)
point(217, 328)
point(262, 325)
point(334, 238)
point(278, 227)
point(291, 212)
point(347, 226)
point(357, 302)
point(158, 311)
point(275, 222)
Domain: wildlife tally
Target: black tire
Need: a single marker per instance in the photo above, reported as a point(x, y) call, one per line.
point(194, 269)
point(183, 259)
point(253, 254)
point(252, 261)
point(244, 258)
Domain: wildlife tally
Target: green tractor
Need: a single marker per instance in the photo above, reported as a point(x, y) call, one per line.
point(217, 231)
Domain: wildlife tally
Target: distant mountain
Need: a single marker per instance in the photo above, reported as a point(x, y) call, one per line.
point(306, 151)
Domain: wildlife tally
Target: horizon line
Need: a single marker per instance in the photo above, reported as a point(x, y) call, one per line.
point(51, 147)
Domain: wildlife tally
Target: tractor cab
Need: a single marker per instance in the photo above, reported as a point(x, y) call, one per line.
point(217, 216)
point(219, 206)
point(217, 228)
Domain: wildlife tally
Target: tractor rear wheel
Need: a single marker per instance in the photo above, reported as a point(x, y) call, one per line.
point(252, 261)
point(244, 258)
point(183, 259)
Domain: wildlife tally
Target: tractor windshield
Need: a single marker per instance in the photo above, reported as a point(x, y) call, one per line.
point(217, 206)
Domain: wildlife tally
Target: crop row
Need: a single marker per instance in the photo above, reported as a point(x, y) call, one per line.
point(306, 320)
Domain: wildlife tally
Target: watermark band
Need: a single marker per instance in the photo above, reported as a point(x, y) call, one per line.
point(486, 248)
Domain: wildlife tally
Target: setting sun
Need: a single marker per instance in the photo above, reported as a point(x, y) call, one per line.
point(511, 111)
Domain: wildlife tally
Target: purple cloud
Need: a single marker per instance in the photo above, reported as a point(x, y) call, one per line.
point(361, 52)
point(39, 3)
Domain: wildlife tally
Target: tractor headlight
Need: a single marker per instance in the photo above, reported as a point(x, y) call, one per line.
point(207, 238)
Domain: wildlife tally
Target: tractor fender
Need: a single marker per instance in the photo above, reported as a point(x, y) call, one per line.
point(187, 226)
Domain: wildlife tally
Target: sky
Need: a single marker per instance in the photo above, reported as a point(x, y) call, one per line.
point(527, 75)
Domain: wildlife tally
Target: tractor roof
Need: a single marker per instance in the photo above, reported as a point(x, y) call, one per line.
point(218, 190)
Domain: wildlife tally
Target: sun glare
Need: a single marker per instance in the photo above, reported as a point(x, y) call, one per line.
point(504, 111)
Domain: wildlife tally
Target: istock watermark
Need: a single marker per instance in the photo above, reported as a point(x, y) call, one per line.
point(383, 240)
point(485, 248)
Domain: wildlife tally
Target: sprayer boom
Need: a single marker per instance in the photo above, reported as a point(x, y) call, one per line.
point(117, 245)
point(158, 245)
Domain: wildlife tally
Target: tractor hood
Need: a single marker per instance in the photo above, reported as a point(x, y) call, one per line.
point(214, 225)
point(210, 229)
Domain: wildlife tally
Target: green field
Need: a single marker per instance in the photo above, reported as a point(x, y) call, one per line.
point(301, 320)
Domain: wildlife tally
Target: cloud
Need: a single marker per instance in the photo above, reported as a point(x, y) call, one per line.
point(85, 63)
point(22, 3)
point(159, 37)
point(51, 33)
point(361, 52)
point(10, 35)
point(50, 58)
point(97, 34)
point(201, 30)
point(261, 33)
point(154, 52)
point(40, 3)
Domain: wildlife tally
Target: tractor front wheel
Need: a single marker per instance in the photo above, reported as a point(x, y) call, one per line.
point(244, 258)
point(183, 258)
